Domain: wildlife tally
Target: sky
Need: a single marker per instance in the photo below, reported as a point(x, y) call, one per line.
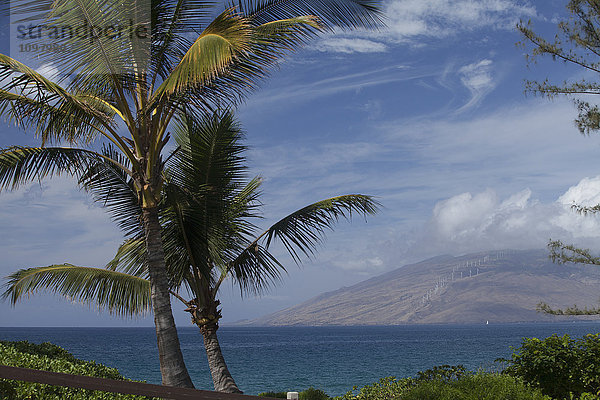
point(428, 114)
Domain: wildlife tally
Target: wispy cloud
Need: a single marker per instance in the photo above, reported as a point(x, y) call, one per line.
point(440, 18)
point(439, 168)
point(74, 230)
point(410, 21)
point(305, 91)
point(477, 78)
point(349, 45)
point(465, 83)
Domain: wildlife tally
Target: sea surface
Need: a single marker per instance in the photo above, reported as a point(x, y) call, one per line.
point(292, 359)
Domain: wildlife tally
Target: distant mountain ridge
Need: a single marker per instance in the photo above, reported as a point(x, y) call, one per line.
point(494, 286)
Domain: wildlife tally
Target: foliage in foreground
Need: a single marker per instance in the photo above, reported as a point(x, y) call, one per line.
point(561, 367)
point(447, 383)
point(49, 357)
point(308, 394)
point(479, 386)
point(443, 382)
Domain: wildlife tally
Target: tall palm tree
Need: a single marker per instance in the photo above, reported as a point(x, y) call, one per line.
point(206, 211)
point(126, 90)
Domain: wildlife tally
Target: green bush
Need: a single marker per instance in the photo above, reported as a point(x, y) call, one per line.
point(447, 382)
point(313, 394)
point(274, 395)
point(446, 373)
point(49, 357)
point(386, 388)
point(561, 367)
point(309, 394)
point(480, 386)
point(589, 396)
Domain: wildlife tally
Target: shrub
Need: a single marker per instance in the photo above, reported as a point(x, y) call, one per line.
point(386, 388)
point(274, 395)
point(313, 394)
point(480, 386)
point(49, 357)
point(589, 396)
point(446, 373)
point(561, 367)
point(447, 382)
point(309, 394)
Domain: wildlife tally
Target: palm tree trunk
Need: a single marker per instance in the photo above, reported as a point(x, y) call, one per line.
point(222, 379)
point(172, 366)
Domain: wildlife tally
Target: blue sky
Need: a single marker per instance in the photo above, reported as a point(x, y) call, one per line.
point(429, 115)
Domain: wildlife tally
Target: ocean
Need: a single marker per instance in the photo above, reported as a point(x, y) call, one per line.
point(294, 358)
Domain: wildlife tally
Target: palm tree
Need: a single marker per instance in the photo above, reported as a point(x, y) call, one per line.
point(126, 90)
point(206, 211)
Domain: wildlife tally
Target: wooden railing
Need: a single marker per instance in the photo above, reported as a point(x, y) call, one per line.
point(115, 386)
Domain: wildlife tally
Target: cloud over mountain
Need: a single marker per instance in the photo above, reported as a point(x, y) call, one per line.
point(482, 220)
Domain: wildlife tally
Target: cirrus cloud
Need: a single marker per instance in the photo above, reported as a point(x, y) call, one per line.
point(408, 21)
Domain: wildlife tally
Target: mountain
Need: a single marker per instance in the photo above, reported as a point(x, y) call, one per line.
point(494, 286)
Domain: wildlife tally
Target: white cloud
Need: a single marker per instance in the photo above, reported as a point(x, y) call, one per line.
point(471, 222)
point(462, 215)
point(373, 108)
point(54, 222)
point(305, 91)
point(440, 18)
point(477, 78)
point(586, 193)
point(416, 165)
point(408, 20)
point(350, 45)
point(464, 84)
point(360, 265)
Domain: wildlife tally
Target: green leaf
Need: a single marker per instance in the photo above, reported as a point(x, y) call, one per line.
point(303, 230)
point(119, 293)
point(21, 165)
point(210, 55)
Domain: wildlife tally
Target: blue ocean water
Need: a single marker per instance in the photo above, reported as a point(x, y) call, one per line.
point(293, 358)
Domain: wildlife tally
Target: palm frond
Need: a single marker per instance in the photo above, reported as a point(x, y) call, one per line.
point(172, 22)
point(244, 207)
point(130, 258)
point(210, 155)
point(209, 170)
point(112, 187)
point(31, 100)
point(302, 231)
point(206, 198)
point(21, 165)
point(210, 55)
point(96, 59)
point(268, 45)
point(331, 13)
point(119, 293)
point(254, 270)
point(185, 240)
